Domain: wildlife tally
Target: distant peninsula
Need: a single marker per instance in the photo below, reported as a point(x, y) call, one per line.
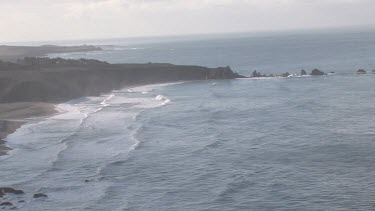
point(12, 53)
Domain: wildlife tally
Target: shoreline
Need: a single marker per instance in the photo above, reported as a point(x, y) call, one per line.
point(32, 86)
point(14, 115)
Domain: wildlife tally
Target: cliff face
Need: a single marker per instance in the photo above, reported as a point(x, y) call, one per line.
point(56, 80)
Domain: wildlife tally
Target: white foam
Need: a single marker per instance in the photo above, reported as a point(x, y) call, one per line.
point(104, 102)
point(160, 97)
point(152, 87)
point(67, 111)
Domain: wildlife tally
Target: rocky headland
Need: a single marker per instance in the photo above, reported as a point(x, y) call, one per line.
point(55, 80)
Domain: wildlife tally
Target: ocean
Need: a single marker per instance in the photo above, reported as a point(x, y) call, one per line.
point(298, 143)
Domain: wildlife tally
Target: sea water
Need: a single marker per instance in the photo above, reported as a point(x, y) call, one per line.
point(300, 143)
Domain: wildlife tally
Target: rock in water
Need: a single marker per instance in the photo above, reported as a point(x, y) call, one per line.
point(317, 72)
point(255, 74)
point(285, 74)
point(6, 204)
point(303, 72)
point(361, 71)
point(40, 195)
point(6, 190)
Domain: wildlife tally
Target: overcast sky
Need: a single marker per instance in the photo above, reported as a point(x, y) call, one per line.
point(27, 20)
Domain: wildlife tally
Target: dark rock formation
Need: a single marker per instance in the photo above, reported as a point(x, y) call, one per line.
point(6, 204)
point(303, 72)
point(373, 71)
point(256, 74)
point(40, 195)
point(6, 190)
point(285, 74)
point(317, 72)
point(361, 71)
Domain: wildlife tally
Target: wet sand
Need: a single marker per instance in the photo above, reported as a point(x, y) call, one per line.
point(13, 115)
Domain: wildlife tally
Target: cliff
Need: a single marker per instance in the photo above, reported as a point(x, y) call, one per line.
point(55, 80)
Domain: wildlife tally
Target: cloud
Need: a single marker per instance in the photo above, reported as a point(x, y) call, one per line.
point(70, 19)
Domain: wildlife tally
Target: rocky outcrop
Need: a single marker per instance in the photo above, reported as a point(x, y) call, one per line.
point(6, 190)
point(6, 204)
point(317, 72)
point(256, 74)
point(40, 195)
point(285, 74)
point(361, 71)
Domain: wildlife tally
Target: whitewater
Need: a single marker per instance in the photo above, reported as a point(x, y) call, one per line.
point(64, 152)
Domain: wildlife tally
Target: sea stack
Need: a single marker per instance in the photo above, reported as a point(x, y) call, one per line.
point(361, 71)
point(303, 72)
point(285, 74)
point(317, 72)
point(255, 74)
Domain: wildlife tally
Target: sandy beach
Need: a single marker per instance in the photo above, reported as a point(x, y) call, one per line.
point(13, 115)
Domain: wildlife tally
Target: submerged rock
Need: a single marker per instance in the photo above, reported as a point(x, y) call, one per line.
point(7, 203)
point(361, 71)
point(6, 190)
point(40, 195)
point(317, 72)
